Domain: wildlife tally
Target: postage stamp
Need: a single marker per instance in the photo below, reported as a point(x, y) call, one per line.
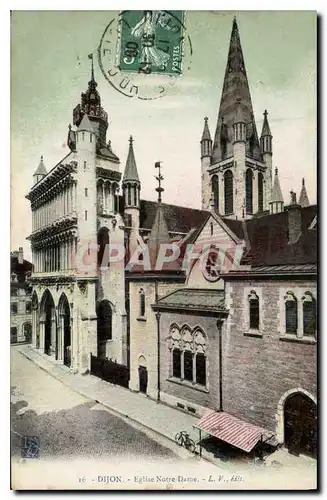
point(151, 42)
point(137, 44)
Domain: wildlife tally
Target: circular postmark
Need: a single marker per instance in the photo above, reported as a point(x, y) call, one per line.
point(142, 53)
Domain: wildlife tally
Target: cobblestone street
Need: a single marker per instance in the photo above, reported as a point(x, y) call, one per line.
point(68, 424)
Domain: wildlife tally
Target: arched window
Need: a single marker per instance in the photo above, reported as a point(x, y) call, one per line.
point(249, 191)
point(251, 145)
point(188, 366)
point(104, 323)
point(254, 311)
point(215, 191)
point(135, 195)
point(129, 196)
point(142, 303)
point(290, 313)
point(223, 146)
point(177, 363)
point(188, 351)
point(200, 368)
point(260, 192)
point(228, 192)
point(103, 247)
point(309, 314)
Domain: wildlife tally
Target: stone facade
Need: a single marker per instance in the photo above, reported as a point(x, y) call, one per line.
point(186, 395)
point(20, 299)
point(143, 327)
point(261, 366)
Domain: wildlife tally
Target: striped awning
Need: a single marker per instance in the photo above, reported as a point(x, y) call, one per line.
point(232, 430)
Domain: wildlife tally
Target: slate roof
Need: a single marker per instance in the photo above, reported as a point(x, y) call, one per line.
point(266, 236)
point(179, 219)
point(130, 173)
point(194, 299)
point(41, 170)
point(235, 86)
point(268, 239)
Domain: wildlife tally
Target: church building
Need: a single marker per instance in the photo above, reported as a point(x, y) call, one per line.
point(226, 328)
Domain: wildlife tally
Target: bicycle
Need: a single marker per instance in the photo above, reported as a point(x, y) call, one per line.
point(182, 438)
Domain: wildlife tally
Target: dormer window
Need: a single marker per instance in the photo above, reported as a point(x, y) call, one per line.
point(14, 278)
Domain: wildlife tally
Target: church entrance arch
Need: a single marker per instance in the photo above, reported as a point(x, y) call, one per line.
point(48, 313)
point(65, 329)
point(300, 424)
point(104, 326)
point(143, 375)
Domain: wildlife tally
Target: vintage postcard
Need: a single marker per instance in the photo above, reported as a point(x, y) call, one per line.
point(163, 250)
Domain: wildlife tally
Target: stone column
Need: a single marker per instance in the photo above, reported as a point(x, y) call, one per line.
point(64, 255)
point(194, 367)
point(42, 333)
point(53, 332)
point(69, 253)
point(255, 191)
point(300, 319)
point(103, 198)
point(182, 365)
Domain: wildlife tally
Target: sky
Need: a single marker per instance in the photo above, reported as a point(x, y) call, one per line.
point(50, 69)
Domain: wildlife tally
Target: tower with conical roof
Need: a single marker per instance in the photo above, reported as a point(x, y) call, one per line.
point(40, 172)
point(266, 151)
point(90, 105)
point(276, 203)
point(206, 152)
point(236, 168)
point(131, 187)
point(304, 199)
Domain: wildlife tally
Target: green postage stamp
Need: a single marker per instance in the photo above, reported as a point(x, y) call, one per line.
point(151, 42)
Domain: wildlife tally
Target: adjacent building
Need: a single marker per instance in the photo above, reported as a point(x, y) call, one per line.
point(20, 298)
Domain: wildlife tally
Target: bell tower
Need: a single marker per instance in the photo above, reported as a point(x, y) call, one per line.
point(91, 106)
point(237, 168)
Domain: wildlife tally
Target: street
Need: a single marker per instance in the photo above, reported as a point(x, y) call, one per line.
point(67, 424)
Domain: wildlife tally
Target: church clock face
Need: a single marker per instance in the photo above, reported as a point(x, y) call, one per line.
point(211, 266)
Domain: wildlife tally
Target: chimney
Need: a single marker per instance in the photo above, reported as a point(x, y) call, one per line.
point(20, 255)
point(294, 220)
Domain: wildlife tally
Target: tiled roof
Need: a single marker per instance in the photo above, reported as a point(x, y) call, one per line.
point(194, 299)
point(302, 269)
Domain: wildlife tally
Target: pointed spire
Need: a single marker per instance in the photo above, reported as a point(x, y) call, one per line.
point(235, 86)
point(276, 193)
point(265, 126)
point(85, 124)
point(303, 200)
point(239, 115)
point(92, 70)
point(41, 170)
point(159, 235)
point(159, 231)
point(131, 173)
point(206, 132)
